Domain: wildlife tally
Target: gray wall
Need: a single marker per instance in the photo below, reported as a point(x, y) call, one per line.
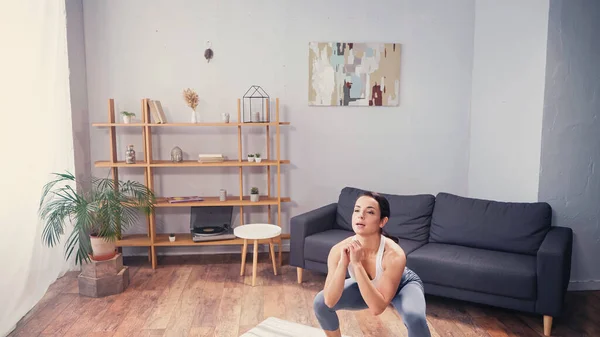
point(78, 90)
point(507, 100)
point(154, 49)
point(569, 179)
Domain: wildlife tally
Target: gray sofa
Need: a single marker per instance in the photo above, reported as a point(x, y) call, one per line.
point(504, 254)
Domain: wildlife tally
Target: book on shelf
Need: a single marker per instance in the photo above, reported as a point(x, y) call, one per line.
point(157, 111)
point(211, 158)
point(174, 200)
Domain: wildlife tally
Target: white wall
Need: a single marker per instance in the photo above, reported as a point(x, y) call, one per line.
point(35, 141)
point(507, 99)
point(569, 180)
point(137, 49)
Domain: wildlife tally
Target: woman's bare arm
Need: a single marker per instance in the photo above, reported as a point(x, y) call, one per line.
point(336, 275)
point(379, 297)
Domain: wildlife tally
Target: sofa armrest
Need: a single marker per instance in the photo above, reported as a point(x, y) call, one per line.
point(303, 225)
point(553, 270)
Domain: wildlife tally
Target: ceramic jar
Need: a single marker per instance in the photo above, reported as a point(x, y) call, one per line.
point(130, 155)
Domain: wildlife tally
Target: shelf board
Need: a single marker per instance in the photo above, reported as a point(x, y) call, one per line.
point(231, 201)
point(118, 124)
point(185, 239)
point(263, 123)
point(194, 163)
point(192, 124)
point(188, 124)
point(134, 240)
point(190, 163)
point(106, 163)
point(219, 124)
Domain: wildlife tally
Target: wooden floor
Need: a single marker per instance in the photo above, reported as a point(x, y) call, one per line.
point(205, 296)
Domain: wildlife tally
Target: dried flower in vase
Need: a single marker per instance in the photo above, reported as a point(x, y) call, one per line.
point(191, 98)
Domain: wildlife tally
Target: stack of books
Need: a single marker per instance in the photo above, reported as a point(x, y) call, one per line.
point(210, 158)
point(174, 200)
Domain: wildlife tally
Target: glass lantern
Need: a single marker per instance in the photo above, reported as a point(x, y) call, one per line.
point(256, 105)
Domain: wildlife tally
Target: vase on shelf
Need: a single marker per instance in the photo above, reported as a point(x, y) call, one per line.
point(130, 155)
point(225, 117)
point(194, 117)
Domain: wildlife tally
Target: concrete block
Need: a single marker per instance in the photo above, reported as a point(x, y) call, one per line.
point(99, 269)
point(104, 286)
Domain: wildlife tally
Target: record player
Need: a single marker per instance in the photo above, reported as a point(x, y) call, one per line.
point(210, 223)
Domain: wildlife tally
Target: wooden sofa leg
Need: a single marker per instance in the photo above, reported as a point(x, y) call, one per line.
point(299, 272)
point(547, 325)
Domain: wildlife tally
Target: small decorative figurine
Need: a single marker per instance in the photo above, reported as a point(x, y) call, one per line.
point(130, 155)
point(176, 155)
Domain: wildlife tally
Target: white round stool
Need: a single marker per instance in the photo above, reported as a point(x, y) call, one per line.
point(257, 232)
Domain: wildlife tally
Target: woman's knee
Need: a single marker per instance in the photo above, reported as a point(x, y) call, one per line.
point(326, 316)
point(319, 303)
point(415, 319)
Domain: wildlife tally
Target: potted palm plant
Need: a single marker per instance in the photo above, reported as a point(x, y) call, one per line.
point(98, 214)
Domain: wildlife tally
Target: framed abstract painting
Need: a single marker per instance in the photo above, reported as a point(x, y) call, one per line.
point(353, 74)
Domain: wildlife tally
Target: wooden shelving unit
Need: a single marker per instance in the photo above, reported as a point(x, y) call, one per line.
point(148, 163)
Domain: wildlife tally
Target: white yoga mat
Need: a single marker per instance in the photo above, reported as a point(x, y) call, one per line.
point(275, 327)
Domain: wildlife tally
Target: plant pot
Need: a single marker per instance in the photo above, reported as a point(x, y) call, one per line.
point(102, 249)
point(126, 119)
point(172, 238)
point(254, 197)
point(102, 257)
point(250, 159)
point(258, 160)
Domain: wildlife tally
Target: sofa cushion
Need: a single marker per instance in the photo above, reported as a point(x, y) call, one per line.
point(409, 245)
point(487, 271)
point(317, 246)
point(410, 216)
point(504, 226)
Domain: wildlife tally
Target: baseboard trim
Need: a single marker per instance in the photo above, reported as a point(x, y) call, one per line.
point(584, 285)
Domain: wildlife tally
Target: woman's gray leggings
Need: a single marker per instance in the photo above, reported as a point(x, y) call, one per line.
point(409, 302)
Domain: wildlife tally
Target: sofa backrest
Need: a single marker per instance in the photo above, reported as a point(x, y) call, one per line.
point(410, 215)
point(517, 227)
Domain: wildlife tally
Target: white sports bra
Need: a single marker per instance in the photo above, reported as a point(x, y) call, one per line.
point(378, 265)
